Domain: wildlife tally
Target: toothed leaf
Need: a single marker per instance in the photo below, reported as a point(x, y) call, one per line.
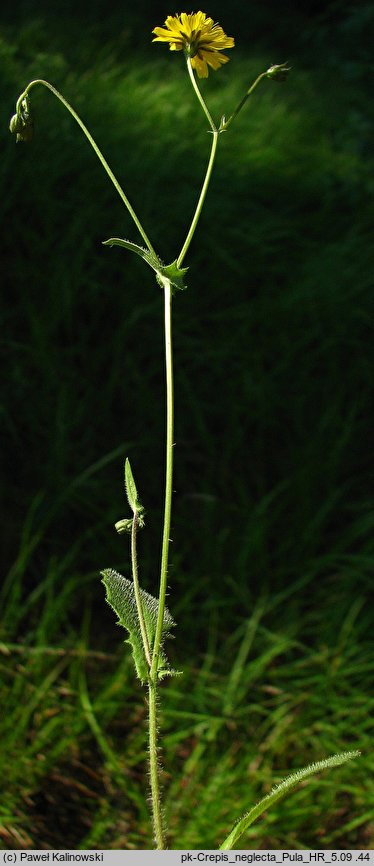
point(121, 597)
point(174, 274)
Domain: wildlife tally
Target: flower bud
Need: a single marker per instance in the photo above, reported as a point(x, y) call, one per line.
point(124, 525)
point(278, 72)
point(16, 124)
point(21, 123)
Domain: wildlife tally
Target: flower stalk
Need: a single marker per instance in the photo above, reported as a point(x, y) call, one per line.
point(198, 93)
point(20, 115)
point(201, 200)
point(226, 123)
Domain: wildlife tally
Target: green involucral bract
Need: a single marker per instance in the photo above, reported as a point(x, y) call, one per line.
point(121, 597)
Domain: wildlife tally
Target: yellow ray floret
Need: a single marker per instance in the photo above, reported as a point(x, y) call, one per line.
point(199, 37)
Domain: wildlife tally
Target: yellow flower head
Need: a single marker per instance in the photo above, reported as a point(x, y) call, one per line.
point(199, 37)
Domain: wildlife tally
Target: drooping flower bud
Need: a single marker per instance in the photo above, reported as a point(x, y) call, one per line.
point(15, 123)
point(21, 123)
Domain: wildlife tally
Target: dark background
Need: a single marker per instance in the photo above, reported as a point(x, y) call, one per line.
point(273, 338)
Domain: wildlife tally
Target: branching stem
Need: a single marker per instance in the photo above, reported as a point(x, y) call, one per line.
point(19, 124)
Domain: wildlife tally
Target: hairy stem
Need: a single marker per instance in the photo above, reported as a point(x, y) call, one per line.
point(97, 150)
point(154, 768)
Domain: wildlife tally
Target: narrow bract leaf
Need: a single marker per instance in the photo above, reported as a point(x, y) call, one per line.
point(120, 595)
point(145, 254)
point(174, 274)
point(279, 791)
point(131, 491)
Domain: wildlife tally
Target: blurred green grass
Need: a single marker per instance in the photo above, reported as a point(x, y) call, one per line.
point(273, 397)
point(74, 749)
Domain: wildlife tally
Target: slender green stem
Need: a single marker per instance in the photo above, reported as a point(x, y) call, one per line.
point(135, 576)
point(199, 95)
point(242, 102)
point(169, 474)
point(200, 203)
point(209, 170)
point(97, 151)
point(153, 683)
